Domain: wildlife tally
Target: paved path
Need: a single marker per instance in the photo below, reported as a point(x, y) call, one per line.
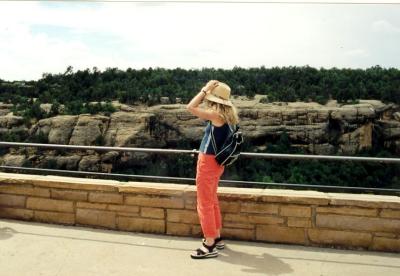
point(42, 249)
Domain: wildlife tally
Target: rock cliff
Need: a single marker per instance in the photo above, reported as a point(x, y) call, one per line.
point(319, 129)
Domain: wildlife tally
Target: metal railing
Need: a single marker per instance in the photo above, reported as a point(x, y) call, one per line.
point(192, 152)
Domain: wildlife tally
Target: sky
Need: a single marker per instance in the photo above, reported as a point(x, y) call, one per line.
point(47, 37)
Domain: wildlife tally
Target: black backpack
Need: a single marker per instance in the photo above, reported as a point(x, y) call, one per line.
point(230, 149)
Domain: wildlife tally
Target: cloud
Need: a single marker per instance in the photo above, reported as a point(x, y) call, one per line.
point(162, 35)
point(47, 37)
point(383, 26)
point(358, 53)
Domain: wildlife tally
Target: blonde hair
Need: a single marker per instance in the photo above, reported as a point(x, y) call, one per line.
point(228, 113)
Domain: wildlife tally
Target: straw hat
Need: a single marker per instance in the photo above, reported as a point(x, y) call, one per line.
point(220, 94)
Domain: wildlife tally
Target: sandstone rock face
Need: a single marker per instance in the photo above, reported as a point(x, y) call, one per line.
point(10, 121)
point(318, 129)
point(46, 107)
point(67, 162)
point(11, 124)
point(322, 149)
point(109, 156)
point(391, 129)
point(356, 140)
point(5, 108)
point(396, 116)
point(14, 160)
point(126, 128)
point(90, 163)
point(164, 100)
point(58, 129)
point(88, 128)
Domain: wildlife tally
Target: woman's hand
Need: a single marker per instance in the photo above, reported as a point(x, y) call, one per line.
point(210, 86)
point(193, 105)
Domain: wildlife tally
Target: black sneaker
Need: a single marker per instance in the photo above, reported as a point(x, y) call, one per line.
point(205, 251)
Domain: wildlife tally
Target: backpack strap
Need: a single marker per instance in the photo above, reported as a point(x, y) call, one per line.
point(214, 144)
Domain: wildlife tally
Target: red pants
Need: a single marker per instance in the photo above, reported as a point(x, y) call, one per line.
point(207, 178)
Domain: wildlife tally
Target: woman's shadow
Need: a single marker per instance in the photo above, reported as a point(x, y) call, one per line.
point(251, 263)
point(6, 233)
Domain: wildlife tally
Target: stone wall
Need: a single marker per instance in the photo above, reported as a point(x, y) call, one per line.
point(309, 218)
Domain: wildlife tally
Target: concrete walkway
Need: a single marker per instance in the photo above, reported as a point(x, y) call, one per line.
point(41, 249)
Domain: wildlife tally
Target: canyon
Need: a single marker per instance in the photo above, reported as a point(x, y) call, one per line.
point(317, 129)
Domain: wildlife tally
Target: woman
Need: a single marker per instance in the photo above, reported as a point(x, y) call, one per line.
point(222, 118)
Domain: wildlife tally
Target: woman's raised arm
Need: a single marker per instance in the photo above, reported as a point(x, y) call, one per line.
point(193, 105)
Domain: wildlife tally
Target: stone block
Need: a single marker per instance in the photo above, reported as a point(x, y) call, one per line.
point(123, 208)
point(386, 244)
point(54, 217)
point(241, 234)
point(190, 192)
point(151, 188)
point(12, 200)
point(162, 202)
point(87, 205)
point(24, 190)
point(262, 208)
point(347, 210)
point(299, 222)
point(16, 213)
point(385, 235)
point(295, 211)
point(294, 197)
point(99, 197)
point(236, 195)
point(191, 203)
point(73, 195)
point(126, 214)
point(388, 213)
point(365, 200)
point(343, 238)
point(149, 212)
point(105, 219)
point(275, 233)
point(253, 219)
point(76, 183)
point(229, 207)
point(183, 216)
point(238, 225)
point(144, 225)
point(178, 229)
point(196, 231)
point(55, 205)
point(342, 222)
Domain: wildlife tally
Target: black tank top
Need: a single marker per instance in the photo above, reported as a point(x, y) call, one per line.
point(220, 135)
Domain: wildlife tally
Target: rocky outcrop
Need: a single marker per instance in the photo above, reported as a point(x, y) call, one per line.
point(396, 116)
point(10, 121)
point(318, 129)
point(361, 138)
point(127, 128)
point(12, 125)
point(88, 128)
point(390, 129)
point(5, 108)
point(90, 163)
point(58, 129)
point(14, 160)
